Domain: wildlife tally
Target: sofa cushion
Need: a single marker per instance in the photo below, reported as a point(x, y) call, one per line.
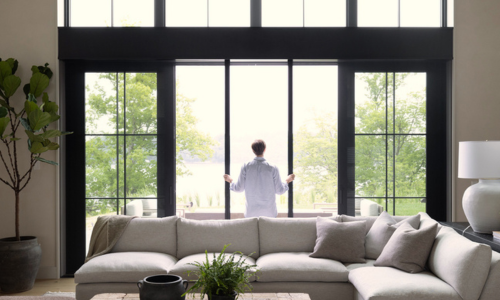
point(369, 220)
point(287, 234)
point(383, 283)
point(408, 248)
point(124, 267)
point(352, 266)
point(344, 242)
point(298, 266)
point(463, 264)
point(382, 230)
point(182, 267)
point(194, 236)
point(149, 235)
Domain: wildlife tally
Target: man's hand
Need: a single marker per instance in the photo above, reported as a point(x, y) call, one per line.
point(290, 178)
point(228, 178)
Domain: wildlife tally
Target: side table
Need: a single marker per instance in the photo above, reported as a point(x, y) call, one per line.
point(248, 296)
point(461, 228)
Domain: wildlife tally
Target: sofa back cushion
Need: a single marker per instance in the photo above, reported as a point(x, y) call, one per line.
point(149, 235)
point(287, 234)
point(194, 236)
point(369, 220)
point(461, 263)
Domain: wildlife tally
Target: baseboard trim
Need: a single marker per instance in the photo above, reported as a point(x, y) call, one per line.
point(47, 273)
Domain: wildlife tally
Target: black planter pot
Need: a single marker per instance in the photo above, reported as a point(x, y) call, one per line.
point(225, 297)
point(19, 263)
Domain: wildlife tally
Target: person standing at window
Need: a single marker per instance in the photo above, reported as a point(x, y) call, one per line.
point(261, 183)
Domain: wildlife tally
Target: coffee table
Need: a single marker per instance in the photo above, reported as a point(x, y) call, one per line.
point(248, 296)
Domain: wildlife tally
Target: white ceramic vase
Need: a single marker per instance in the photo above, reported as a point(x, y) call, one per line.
point(481, 203)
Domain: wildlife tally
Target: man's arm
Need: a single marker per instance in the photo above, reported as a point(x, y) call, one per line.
point(279, 186)
point(240, 185)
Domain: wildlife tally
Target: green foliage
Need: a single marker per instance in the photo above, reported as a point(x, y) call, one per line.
point(223, 275)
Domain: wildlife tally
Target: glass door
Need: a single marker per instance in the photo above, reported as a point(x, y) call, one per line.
point(120, 145)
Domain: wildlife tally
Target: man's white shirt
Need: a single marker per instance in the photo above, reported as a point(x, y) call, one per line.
point(261, 183)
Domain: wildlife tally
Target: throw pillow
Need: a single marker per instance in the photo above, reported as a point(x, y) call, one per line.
point(381, 232)
point(408, 248)
point(344, 242)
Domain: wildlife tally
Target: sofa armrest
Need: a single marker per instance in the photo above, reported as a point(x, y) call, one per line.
point(491, 288)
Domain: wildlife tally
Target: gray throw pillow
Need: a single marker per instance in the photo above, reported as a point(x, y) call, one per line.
point(408, 248)
point(381, 232)
point(344, 242)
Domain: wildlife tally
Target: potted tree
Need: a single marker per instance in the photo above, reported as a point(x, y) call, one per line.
point(23, 125)
point(223, 278)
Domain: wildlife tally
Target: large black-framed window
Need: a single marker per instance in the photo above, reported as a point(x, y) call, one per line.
point(73, 231)
point(435, 137)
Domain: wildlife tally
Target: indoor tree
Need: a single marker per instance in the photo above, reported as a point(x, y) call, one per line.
point(32, 118)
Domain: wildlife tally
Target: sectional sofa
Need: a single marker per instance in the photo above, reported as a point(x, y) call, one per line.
point(458, 269)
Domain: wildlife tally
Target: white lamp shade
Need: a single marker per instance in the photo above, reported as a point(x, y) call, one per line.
point(479, 159)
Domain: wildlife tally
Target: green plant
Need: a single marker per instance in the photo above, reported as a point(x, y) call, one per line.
point(210, 200)
point(34, 118)
point(223, 275)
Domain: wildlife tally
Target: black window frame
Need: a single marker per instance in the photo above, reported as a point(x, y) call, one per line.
point(437, 132)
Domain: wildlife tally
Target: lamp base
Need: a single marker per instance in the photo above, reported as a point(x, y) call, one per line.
point(481, 203)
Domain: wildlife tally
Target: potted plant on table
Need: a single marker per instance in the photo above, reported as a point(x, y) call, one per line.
point(223, 278)
point(22, 125)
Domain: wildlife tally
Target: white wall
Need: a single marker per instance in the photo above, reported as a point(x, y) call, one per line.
point(476, 77)
point(28, 32)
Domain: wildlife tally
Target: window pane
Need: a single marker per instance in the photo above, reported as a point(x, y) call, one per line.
point(133, 13)
point(410, 98)
point(321, 13)
point(140, 95)
point(90, 13)
point(377, 13)
point(234, 13)
point(100, 103)
point(406, 207)
point(420, 13)
point(141, 166)
point(451, 13)
point(370, 162)
point(410, 166)
point(315, 140)
point(101, 169)
point(259, 110)
point(60, 13)
point(282, 13)
point(200, 141)
point(186, 13)
point(371, 90)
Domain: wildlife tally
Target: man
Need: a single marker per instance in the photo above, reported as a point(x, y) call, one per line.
point(260, 181)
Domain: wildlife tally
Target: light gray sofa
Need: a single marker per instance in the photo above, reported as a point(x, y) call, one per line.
point(458, 269)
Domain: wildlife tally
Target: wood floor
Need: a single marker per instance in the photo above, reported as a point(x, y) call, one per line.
point(48, 285)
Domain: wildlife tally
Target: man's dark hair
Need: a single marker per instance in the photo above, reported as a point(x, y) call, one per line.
point(258, 147)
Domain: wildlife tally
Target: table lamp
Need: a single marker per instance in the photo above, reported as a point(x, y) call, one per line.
point(481, 201)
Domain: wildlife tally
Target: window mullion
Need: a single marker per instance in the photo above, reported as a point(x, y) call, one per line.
point(255, 13)
point(290, 135)
point(227, 141)
point(352, 13)
point(159, 13)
